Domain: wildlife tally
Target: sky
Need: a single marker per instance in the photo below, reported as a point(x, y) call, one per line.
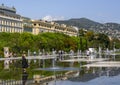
point(98, 10)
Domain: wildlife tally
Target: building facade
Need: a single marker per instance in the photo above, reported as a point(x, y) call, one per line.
point(9, 20)
point(12, 22)
point(40, 26)
point(27, 24)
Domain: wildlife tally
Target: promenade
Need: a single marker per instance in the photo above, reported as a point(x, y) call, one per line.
point(91, 61)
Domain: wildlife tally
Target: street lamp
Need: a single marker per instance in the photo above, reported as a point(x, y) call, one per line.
point(86, 43)
point(40, 45)
point(34, 53)
point(114, 49)
point(114, 46)
point(80, 37)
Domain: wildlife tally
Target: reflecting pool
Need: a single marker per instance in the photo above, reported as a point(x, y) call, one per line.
point(101, 76)
point(103, 80)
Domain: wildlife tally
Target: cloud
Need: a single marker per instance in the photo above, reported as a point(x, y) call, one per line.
point(51, 18)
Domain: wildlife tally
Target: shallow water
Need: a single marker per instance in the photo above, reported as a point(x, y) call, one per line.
point(103, 80)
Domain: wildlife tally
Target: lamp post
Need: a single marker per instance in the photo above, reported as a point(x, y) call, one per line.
point(86, 43)
point(40, 45)
point(80, 37)
point(114, 46)
point(81, 43)
point(114, 49)
point(43, 54)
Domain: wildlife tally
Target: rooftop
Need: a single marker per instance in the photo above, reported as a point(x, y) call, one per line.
point(6, 8)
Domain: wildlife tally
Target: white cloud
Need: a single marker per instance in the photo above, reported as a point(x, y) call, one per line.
point(51, 18)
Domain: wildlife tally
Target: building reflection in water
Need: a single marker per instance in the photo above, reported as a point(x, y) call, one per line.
point(95, 73)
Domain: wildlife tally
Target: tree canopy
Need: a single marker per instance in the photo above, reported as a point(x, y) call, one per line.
point(18, 43)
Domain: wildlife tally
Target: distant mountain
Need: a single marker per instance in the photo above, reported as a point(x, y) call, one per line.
point(110, 29)
point(80, 23)
point(89, 24)
point(113, 26)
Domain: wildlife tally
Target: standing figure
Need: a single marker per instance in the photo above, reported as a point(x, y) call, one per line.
point(88, 53)
point(60, 57)
point(24, 62)
point(34, 53)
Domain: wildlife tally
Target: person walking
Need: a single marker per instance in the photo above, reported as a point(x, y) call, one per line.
point(24, 62)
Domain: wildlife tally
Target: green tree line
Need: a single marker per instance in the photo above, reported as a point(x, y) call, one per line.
point(22, 42)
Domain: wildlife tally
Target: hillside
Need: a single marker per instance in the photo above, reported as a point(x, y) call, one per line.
point(80, 23)
point(89, 24)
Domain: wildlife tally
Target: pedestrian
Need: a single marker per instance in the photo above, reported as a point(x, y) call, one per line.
point(24, 62)
point(88, 53)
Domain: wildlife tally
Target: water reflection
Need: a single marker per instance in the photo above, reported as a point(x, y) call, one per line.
point(24, 77)
point(103, 80)
point(95, 73)
point(99, 76)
